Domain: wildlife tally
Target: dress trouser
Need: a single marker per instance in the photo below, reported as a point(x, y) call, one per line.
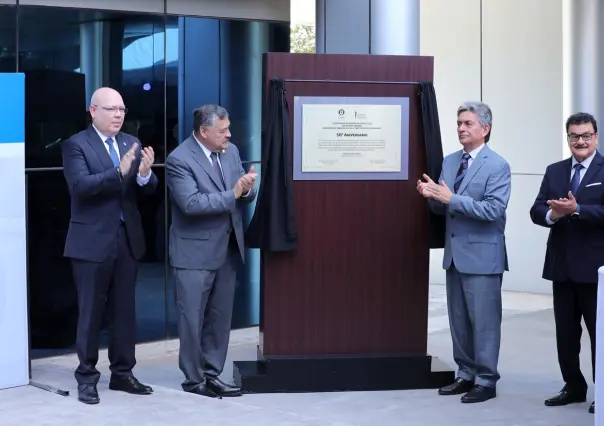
point(573, 302)
point(204, 300)
point(474, 305)
point(108, 288)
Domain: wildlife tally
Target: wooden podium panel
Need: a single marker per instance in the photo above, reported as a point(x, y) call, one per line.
point(349, 306)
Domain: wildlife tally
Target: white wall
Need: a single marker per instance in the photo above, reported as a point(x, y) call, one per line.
point(486, 50)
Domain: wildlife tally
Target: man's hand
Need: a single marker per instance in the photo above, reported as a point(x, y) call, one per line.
point(430, 189)
point(127, 159)
point(248, 180)
point(562, 206)
point(147, 159)
point(245, 183)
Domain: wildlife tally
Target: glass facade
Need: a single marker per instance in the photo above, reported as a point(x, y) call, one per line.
point(164, 66)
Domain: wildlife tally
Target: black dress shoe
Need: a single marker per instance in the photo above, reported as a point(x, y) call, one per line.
point(458, 387)
point(88, 394)
point(592, 407)
point(479, 394)
point(566, 396)
point(222, 388)
point(130, 385)
point(203, 390)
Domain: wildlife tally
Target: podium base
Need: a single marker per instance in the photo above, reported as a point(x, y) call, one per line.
point(333, 374)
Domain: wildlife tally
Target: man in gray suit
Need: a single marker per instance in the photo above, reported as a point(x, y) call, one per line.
point(473, 192)
point(208, 187)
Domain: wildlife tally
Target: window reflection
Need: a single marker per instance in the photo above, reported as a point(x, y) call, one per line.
point(66, 54)
point(164, 67)
point(8, 38)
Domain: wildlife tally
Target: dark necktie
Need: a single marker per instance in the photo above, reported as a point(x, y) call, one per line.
point(217, 170)
point(461, 172)
point(114, 155)
point(576, 180)
point(115, 158)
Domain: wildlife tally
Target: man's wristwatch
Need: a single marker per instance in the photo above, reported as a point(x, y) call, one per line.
point(119, 173)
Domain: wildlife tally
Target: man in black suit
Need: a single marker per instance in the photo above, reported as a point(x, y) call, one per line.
point(104, 168)
point(571, 204)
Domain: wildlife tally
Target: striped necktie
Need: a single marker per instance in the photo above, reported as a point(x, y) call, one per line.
point(461, 172)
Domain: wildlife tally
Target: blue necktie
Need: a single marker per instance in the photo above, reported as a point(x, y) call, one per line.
point(114, 156)
point(576, 180)
point(116, 160)
point(461, 172)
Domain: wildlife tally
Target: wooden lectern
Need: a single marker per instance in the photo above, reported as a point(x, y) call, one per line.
point(348, 309)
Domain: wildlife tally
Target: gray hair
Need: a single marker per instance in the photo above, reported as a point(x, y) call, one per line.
point(206, 115)
point(483, 113)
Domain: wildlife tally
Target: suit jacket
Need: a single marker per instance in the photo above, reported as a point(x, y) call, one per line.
point(575, 246)
point(476, 216)
point(203, 214)
point(99, 196)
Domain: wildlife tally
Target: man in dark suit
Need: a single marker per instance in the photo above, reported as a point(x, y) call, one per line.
point(571, 203)
point(104, 168)
point(208, 187)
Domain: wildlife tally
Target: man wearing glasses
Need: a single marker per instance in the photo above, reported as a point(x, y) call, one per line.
point(104, 169)
point(571, 203)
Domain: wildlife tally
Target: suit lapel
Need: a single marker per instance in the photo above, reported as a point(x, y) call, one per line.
point(473, 169)
point(200, 157)
point(122, 145)
point(568, 164)
point(591, 172)
point(452, 172)
point(97, 146)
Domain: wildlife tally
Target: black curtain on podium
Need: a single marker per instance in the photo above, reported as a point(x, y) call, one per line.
point(434, 155)
point(273, 226)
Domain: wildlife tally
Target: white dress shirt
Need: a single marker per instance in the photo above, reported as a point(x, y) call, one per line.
point(474, 154)
point(142, 181)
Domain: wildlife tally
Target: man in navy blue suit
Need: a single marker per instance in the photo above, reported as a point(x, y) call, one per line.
point(571, 204)
point(104, 168)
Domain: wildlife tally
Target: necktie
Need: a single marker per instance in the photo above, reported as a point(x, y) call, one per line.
point(217, 170)
point(114, 155)
point(461, 172)
point(115, 158)
point(576, 180)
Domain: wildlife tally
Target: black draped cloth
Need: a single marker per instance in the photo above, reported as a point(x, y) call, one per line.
point(434, 154)
point(273, 226)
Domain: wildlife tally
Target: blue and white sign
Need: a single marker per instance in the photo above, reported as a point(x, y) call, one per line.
point(14, 356)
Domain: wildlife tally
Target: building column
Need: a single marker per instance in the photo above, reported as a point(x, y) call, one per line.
point(381, 27)
point(242, 44)
point(583, 57)
point(91, 56)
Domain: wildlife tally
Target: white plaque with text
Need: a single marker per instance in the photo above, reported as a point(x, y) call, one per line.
point(351, 138)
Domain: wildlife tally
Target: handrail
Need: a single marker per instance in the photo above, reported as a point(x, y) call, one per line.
point(60, 169)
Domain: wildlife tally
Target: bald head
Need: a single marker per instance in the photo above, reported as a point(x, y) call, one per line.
point(107, 110)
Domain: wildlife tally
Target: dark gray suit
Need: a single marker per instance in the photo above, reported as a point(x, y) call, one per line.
point(206, 240)
point(475, 259)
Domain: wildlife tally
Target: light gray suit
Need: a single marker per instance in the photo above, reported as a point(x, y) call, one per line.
point(206, 242)
point(475, 258)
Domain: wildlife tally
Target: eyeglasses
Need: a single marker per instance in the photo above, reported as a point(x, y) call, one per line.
point(113, 110)
point(574, 138)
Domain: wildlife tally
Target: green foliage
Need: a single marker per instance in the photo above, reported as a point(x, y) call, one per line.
point(302, 39)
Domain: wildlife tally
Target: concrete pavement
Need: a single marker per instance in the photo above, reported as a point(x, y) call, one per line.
point(528, 367)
